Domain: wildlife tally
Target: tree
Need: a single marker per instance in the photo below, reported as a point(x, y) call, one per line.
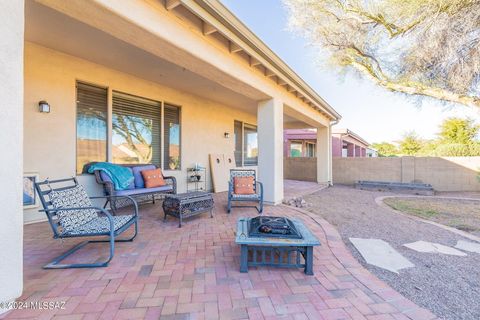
point(427, 48)
point(411, 144)
point(458, 131)
point(385, 149)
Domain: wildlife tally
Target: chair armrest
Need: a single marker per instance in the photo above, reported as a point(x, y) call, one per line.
point(133, 201)
point(230, 188)
point(174, 182)
point(260, 190)
point(108, 186)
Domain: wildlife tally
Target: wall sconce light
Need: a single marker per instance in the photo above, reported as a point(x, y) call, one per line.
point(44, 107)
point(226, 135)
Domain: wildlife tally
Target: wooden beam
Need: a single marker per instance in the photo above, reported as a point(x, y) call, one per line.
point(254, 62)
point(269, 73)
point(208, 28)
point(172, 4)
point(234, 47)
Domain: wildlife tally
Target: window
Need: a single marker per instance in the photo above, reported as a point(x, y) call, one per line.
point(91, 124)
point(136, 132)
point(310, 149)
point(296, 149)
point(246, 144)
point(238, 136)
point(250, 144)
point(172, 137)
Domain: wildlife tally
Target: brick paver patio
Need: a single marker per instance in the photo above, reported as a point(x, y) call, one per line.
point(193, 273)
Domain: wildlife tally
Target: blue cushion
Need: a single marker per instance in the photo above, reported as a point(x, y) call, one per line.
point(137, 191)
point(137, 174)
point(106, 177)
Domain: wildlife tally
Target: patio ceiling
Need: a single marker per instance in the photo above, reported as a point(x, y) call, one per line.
point(55, 30)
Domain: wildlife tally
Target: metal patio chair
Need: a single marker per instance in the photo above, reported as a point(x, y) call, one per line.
point(71, 214)
point(257, 196)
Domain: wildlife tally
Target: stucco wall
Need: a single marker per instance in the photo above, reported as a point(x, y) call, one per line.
point(11, 122)
point(303, 169)
point(443, 173)
point(50, 138)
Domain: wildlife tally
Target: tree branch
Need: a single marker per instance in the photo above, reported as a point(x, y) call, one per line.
point(414, 88)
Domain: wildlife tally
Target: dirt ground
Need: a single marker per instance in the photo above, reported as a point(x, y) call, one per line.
point(449, 286)
point(460, 214)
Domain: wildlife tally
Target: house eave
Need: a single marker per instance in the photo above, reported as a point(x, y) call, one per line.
point(215, 15)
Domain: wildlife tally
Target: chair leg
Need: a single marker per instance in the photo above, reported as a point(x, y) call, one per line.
point(229, 206)
point(261, 207)
point(55, 264)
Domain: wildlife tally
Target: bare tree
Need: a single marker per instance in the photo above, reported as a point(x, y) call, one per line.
point(428, 48)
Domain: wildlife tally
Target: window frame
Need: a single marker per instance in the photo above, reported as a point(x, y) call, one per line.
point(296, 142)
point(107, 121)
point(160, 127)
point(109, 129)
point(314, 148)
point(165, 165)
point(243, 144)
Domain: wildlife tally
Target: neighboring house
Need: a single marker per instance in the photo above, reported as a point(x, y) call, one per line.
point(345, 143)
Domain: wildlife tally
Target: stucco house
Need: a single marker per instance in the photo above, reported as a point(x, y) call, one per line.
point(188, 70)
point(345, 143)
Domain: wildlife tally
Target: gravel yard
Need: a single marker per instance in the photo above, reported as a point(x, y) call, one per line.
point(449, 286)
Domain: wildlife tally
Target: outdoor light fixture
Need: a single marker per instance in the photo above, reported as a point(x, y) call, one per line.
point(44, 107)
point(226, 135)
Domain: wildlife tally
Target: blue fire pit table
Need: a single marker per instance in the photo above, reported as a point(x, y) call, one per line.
point(276, 251)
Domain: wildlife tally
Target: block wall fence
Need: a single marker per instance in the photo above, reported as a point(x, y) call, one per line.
point(443, 173)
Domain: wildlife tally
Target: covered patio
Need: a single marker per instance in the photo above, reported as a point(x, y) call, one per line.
point(193, 273)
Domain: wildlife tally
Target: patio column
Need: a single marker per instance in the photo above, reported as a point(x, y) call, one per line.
point(11, 144)
point(357, 153)
point(350, 150)
point(324, 155)
point(270, 149)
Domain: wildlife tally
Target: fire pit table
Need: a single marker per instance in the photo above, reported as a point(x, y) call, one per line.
point(275, 241)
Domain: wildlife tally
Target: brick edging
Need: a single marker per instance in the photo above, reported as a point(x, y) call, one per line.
point(345, 258)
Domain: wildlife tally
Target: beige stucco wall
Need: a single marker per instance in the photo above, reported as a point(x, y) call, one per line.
point(303, 169)
point(11, 97)
point(50, 138)
point(443, 173)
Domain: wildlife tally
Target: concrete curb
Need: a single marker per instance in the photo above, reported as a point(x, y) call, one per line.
point(379, 202)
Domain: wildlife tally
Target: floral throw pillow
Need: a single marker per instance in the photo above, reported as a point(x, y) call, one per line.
point(72, 198)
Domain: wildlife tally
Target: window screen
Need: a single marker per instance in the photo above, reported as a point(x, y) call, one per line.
point(172, 137)
point(136, 129)
point(91, 124)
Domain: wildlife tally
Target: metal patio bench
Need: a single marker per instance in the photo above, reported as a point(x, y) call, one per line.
point(71, 214)
point(257, 196)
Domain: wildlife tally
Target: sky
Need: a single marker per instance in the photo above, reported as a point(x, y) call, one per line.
point(372, 112)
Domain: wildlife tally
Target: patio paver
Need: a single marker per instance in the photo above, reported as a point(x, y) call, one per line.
point(193, 273)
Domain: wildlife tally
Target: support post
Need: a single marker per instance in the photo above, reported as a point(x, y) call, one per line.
point(324, 155)
point(270, 149)
point(11, 143)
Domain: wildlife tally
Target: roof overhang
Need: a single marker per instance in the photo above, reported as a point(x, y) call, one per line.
point(217, 18)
